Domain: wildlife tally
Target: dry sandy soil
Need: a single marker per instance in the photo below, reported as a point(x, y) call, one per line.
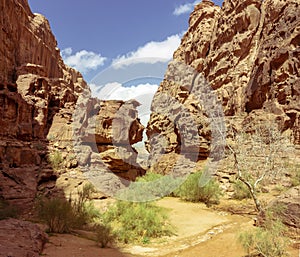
point(201, 232)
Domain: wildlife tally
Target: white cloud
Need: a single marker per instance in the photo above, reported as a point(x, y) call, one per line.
point(185, 8)
point(152, 52)
point(82, 61)
point(143, 93)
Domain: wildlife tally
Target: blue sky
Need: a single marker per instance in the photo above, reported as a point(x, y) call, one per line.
point(111, 29)
point(122, 48)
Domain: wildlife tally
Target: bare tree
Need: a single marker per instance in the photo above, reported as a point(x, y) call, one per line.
point(257, 154)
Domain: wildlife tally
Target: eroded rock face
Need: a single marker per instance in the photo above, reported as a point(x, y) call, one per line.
point(27, 46)
point(104, 132)
point(21, 238)
point(248, 51)
point(38, 96)
point(35, 86)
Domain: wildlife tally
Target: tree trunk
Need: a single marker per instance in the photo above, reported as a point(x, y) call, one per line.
point(253, 194)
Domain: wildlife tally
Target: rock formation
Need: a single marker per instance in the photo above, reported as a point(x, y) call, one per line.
point(248, 52)
point(288, 208)
point(21, 238)
point(34, 85)
point(38, 96)
point(110, 132)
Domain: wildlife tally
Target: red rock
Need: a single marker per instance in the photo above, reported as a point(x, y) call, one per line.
point(21, 238)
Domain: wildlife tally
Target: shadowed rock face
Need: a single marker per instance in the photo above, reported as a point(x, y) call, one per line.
point(38, 96)
point(21, 238)
point(248, 51)
point(35, 86)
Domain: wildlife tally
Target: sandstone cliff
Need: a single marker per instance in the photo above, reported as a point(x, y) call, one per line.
point(248, 51)
point(38, 96)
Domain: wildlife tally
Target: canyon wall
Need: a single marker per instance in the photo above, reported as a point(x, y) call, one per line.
point(248, 52)
point(38, 96)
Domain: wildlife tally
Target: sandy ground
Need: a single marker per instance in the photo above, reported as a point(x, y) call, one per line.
point(201, 232)
point(65, 245)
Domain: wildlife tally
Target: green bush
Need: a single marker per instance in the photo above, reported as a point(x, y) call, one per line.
point(83, 208)
point(150, 187)
point(241, 191)
point(191, 191)
point(62, 215)
point(55, 159)
point(149, 176)
point(104, 235)
point(138, 222)
point(7, 210)
point(267, 241)
point(57, 214)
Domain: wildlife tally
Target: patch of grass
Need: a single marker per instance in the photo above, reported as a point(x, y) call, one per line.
point(192, 191)
point(7, 210)
point(150, 187)
point(267, 241)
point(241, 191)
point(149, 176)
point(84, 209)
point(62, 215)
point(55, 159)
point(279, 189)
point(104, 235)
point(57, 213)
point(138, 222)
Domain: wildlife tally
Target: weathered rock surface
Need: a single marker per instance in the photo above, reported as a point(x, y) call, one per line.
point(34, 86)
point(109, 128)
point(21, 238)
point(38, 96)
point(27, 44)
point(248, 51)
point(289, 205)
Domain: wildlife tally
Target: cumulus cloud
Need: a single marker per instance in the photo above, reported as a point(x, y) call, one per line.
point(143, 93)
point(152, 52)
point(83, 61)
point(185, 8)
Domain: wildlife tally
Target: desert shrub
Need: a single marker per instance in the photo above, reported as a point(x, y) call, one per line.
point(267, 241)
point(57, 214)
point(104, 234)
point(83, 208)
point(62, 215)
point(263, 242)
point(7, 210)
point(149, 176)
point(55, 159)
point(138, 222)
point(240, 191)
point(191, 191)
point(150, 187)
